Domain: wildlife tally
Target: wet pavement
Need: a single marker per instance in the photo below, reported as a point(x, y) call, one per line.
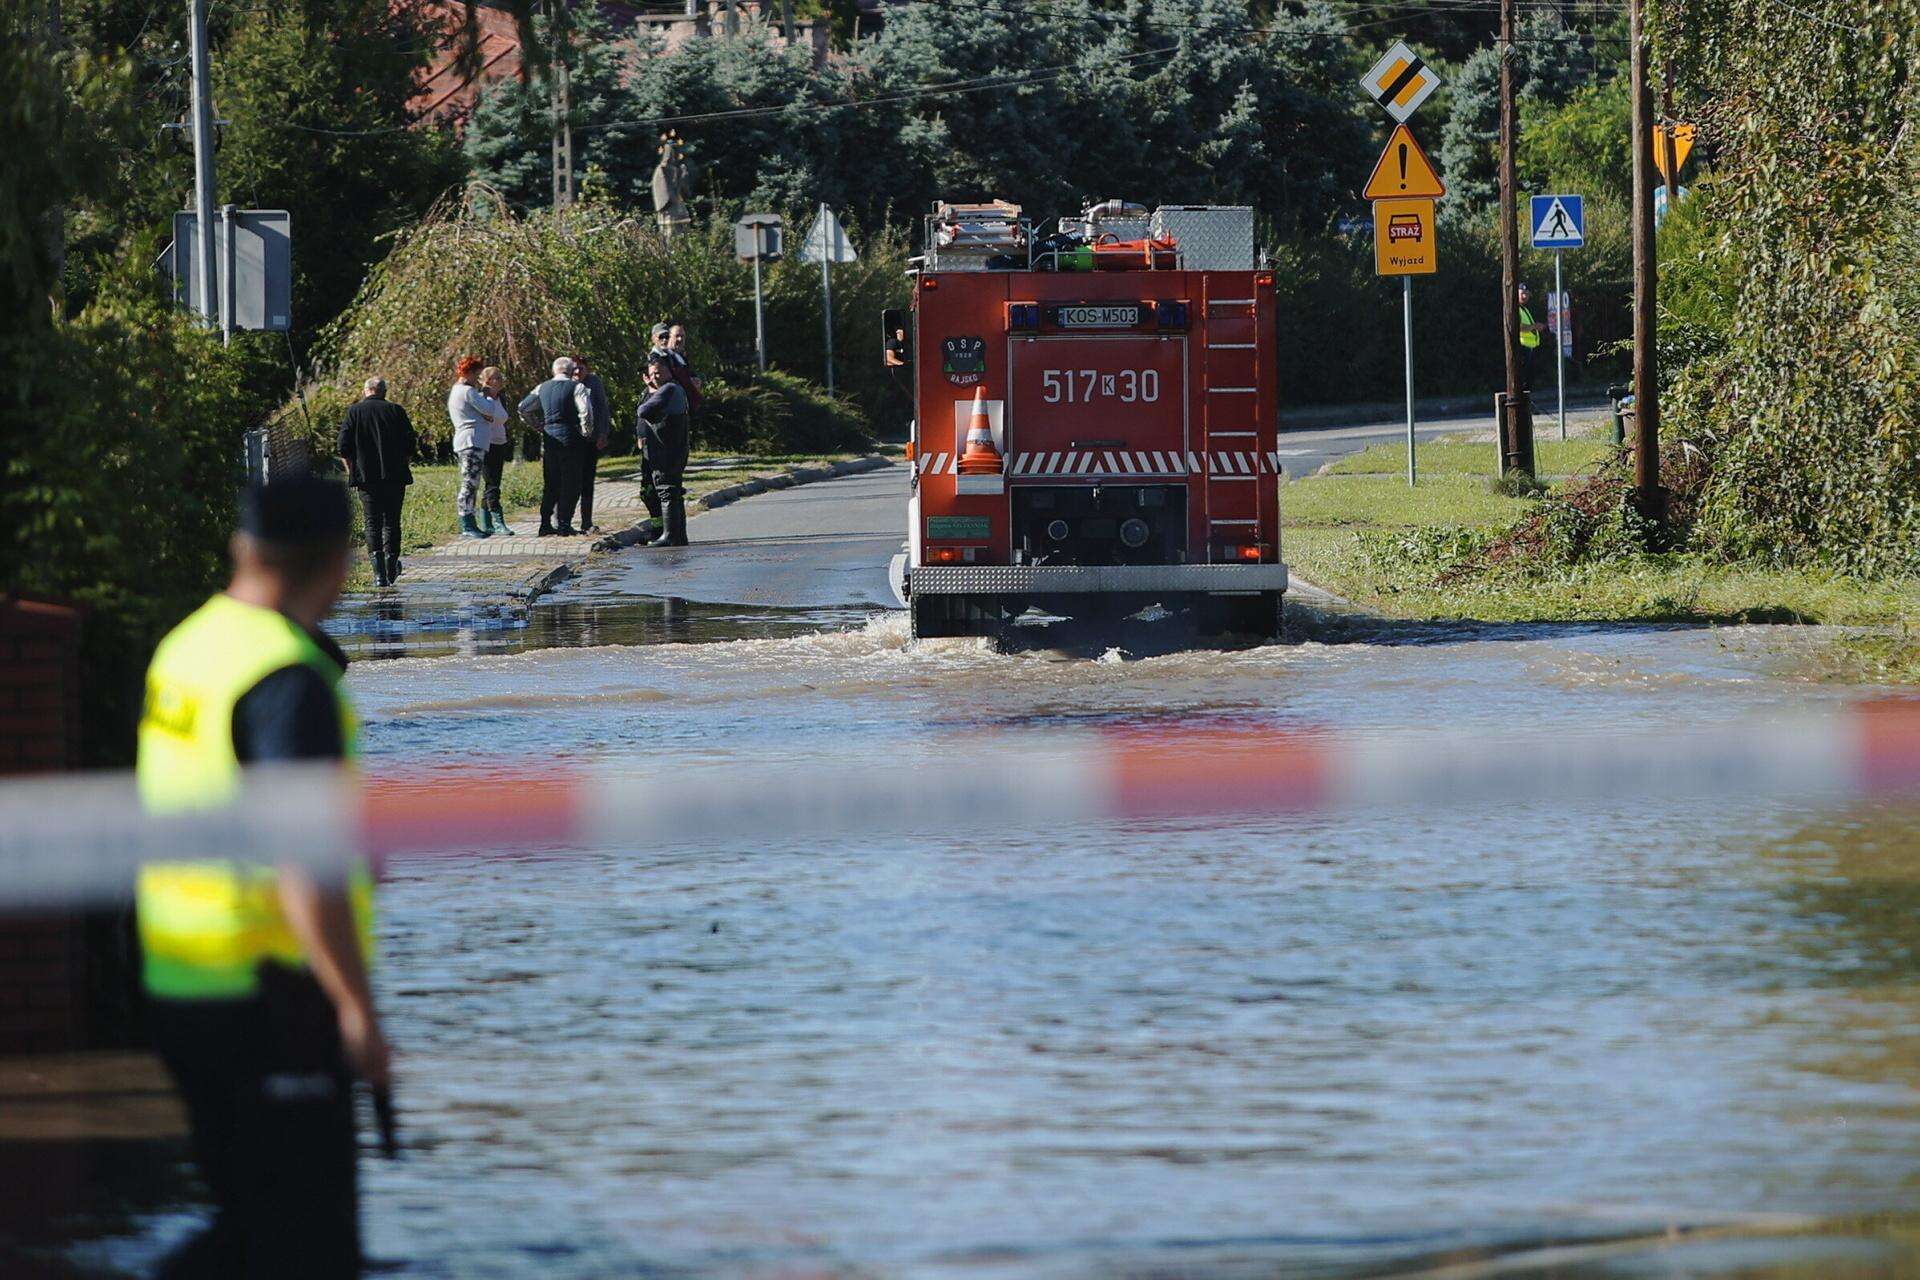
point(1310, 1047)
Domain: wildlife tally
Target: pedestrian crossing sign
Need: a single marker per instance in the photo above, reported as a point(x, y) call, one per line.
point(1559, 222)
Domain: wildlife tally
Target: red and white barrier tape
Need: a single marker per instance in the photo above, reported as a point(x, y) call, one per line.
point(77, 838)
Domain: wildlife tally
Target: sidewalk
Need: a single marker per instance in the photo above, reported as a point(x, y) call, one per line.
point(524, 565)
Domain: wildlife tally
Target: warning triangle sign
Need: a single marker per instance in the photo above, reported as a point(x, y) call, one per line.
point(1403, 170)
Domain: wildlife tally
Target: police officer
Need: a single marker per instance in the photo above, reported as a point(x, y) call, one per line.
point(1530, 332)
point(563, 410)
point(665, 433)
point(257, 975)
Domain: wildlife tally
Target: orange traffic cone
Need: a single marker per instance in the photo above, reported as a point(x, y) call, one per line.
point(981, 458)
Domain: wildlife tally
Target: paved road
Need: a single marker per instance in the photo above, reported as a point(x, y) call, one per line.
point(827, 544)
point(814, 546)
point(1304, 452)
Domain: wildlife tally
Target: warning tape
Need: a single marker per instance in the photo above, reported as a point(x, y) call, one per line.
point(76, 839)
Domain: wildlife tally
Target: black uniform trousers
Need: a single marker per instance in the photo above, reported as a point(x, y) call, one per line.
point(270, 1102)
point(589, 459)
point(380, 504)
point(668, 459)
point(559, 479)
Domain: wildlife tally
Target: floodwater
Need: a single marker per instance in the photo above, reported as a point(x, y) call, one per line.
point(1313, 1046)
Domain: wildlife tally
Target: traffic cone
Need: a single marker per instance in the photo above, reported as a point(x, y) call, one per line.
point(981, 458)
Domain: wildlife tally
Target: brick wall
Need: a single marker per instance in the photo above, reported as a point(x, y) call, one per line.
point(43, 970)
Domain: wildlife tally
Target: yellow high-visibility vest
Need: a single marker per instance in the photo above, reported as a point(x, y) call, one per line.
point(206, 927)
point(1528, 338)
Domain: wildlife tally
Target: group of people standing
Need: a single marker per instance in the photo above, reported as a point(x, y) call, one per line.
point(572, 416)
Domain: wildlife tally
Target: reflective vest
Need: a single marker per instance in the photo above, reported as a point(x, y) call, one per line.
point(206, 927)
point(1528, 338)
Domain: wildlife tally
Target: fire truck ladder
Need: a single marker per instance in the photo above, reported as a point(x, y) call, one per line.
point(1230, 434)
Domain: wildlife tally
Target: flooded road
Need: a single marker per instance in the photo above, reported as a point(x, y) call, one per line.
point(1305, 1047)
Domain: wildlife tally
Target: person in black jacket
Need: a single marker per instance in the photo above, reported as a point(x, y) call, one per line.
point(376, 443)
point(664, 430)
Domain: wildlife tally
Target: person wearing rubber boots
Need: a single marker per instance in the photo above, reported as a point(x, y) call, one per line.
point(256, 970)
point(663, 426)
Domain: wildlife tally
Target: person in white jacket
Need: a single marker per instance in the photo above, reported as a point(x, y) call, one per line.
point(474, 418)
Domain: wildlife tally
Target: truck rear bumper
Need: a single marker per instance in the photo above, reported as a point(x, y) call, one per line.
point(1143, 579)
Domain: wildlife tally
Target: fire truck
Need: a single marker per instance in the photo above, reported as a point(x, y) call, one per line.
point(1094, 418)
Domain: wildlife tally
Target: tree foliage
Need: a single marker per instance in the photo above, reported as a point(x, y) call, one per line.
point(1789, 320)
point(477, 278)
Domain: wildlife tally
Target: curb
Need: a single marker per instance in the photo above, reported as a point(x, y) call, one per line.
point(538, 584)
point(788, 479)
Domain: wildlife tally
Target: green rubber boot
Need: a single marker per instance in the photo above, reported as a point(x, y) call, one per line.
point(497, 521)
point(469, 528)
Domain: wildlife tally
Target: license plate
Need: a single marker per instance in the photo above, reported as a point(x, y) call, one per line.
point(1097, 317)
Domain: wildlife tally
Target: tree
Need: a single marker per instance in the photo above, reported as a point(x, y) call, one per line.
point(321, 127)
point(509, 141)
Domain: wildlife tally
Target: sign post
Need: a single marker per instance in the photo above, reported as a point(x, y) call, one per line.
point(827, 244)
point(756, 238)
point(1559, 223)
point(1403, 188)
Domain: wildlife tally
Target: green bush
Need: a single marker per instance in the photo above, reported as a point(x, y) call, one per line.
point(778, 413)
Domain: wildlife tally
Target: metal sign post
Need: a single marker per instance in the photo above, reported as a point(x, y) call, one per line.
point(759, 312)
point(1406, 327)
point(827, 244)
point(1559, 342)
point(1559, 223)
point(756, 237)
point(1403, 187)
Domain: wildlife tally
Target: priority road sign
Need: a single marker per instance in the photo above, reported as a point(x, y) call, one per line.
point(1682, 138)
point(1403, 171)
point(1559, 222)
point(1400, 81)
point(1403, 238)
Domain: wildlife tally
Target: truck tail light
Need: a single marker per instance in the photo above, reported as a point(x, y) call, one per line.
point(950, 555)
point(1249, 552)
point(1264, 279)
point(910, 452)
point(928, 282)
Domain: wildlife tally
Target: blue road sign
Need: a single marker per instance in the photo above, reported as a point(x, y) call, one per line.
point(1559, 222)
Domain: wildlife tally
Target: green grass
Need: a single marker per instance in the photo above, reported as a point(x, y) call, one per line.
point(1362, 533)
point(1454, 456)
point(1368, 502)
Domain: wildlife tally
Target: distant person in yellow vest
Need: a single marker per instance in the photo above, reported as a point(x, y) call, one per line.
point(257, 973)
point(1530, 332)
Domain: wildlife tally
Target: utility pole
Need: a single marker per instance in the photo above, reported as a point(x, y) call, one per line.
point(1517, 430)
point(203, 158)
point(57, 215)
point(733, 18)
point(1648, 497)
point(560, 99)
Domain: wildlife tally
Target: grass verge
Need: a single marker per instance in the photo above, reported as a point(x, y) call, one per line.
point(1360, 532)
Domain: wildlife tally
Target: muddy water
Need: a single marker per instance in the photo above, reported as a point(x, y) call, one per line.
point(1302, 1047)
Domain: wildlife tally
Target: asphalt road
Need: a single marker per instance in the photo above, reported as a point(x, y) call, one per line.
point(827, 544)
point(1305, 451)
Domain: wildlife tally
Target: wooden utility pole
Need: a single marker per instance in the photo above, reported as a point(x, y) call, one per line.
point(560, 101)
point(1516, 432)
point(1648, 497)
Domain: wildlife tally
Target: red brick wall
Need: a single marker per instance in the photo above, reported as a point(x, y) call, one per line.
point(42, 959)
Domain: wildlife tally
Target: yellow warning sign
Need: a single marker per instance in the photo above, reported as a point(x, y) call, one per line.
point(1403, 238)
point(1403, 171)
point(1682, 138)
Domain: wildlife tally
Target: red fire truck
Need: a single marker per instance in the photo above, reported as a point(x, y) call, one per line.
point(1094, 420)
